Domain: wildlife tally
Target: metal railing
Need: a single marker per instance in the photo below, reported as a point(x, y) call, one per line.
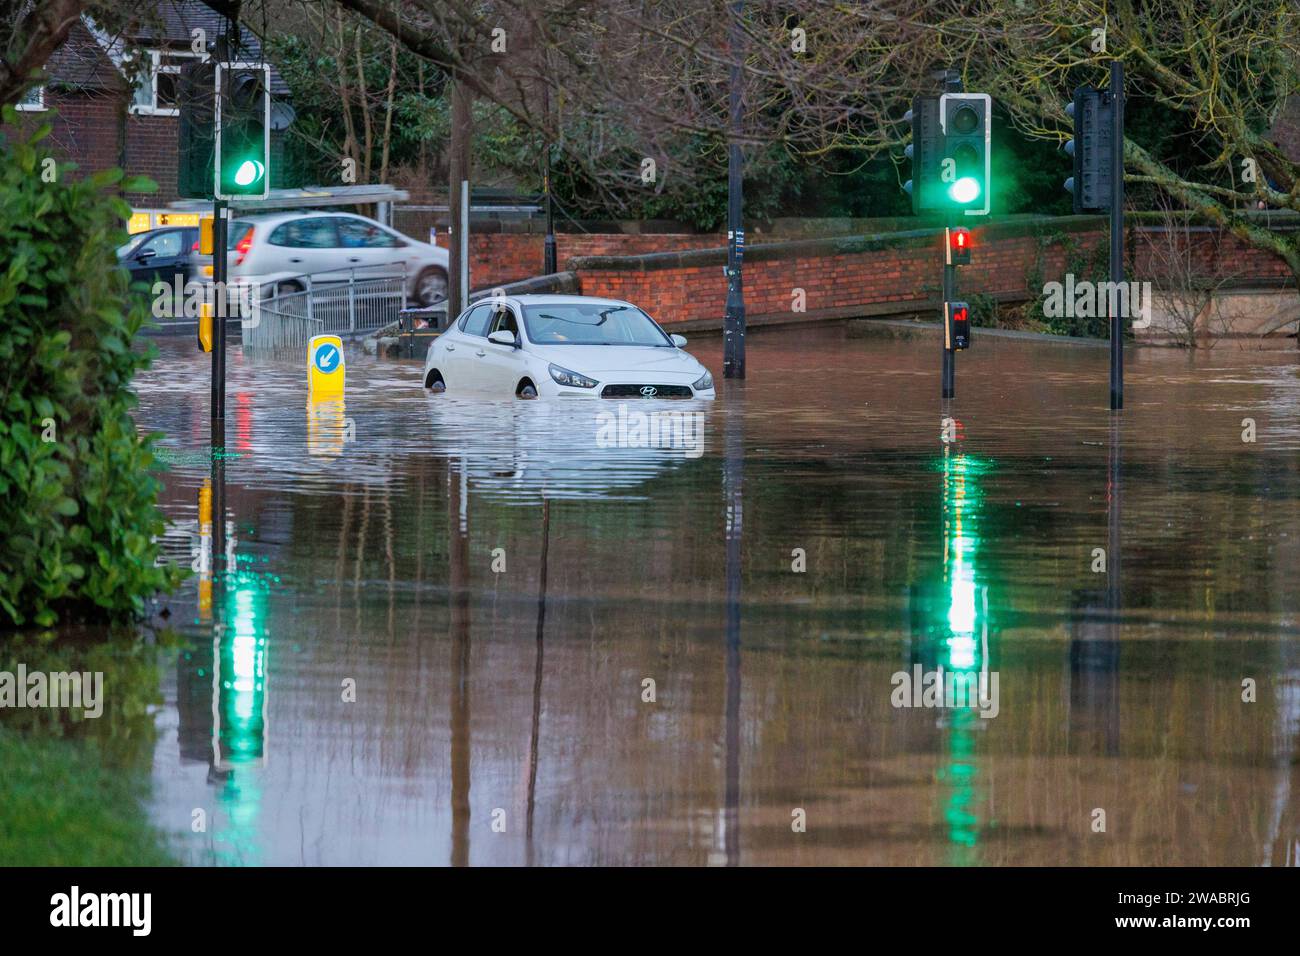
point(338, 302)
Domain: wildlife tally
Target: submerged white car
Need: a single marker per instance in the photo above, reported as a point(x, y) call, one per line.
point(563, 345)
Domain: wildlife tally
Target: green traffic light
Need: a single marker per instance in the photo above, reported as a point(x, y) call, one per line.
point(249, 172)
point(964, 190)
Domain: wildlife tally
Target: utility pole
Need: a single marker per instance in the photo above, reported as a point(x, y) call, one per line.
point(733, 328)
point(1116, 232)
point(549, 265)
point(462, 134)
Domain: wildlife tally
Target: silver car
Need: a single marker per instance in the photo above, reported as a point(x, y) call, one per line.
point(283, 252)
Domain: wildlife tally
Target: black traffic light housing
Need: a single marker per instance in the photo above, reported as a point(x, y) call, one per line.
point(196, 96)
point(966, 120)
point(926, 153)
point(956, 326)
point(243, 147)
point(1092, 184)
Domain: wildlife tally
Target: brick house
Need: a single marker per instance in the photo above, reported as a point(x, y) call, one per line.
point(112, 100)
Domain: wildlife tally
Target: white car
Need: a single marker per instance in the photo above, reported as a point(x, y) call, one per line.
point(283, 252)
point(563, 345)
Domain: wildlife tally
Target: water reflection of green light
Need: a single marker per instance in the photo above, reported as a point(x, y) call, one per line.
point(240, 709)
point(241, 674)
point(963, 641)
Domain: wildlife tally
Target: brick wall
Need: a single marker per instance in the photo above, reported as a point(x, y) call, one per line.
point(84, 129)
point(151, 150)
point(898, 273)
point(498, 258)
point(844, 276)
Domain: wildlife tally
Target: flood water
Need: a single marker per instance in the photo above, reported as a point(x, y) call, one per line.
point(437, 640)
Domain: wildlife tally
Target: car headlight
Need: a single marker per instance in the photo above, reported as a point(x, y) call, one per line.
point(563, 376)
point(704, 383)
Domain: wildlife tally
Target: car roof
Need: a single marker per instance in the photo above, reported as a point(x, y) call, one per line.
point(267, 218)
point(556, 299)
point(158, 229)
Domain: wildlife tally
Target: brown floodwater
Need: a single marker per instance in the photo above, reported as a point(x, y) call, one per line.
point(436, 639)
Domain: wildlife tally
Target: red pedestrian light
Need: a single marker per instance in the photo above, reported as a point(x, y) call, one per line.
point(956, 326)
point(960, 243)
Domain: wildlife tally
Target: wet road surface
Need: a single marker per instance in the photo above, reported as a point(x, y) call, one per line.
point(463, 631)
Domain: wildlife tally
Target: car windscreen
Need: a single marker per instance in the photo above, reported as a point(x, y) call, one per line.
point(591, 323)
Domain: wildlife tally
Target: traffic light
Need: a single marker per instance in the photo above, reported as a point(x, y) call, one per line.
point(926, 152)
point(959, 246)
point(966, 120)
point(956, 326)
point(243, 130)
point(1091, 185)
point(196, 94)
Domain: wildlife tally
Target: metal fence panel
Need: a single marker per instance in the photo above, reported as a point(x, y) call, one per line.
point(343, 305)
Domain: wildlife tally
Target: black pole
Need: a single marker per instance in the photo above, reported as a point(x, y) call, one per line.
point(220, 305)
point(537, 684)
point(949, 295)
point(1114, 514)
point(952, 84)
point(733, 482)
point(733, 362)
point(548, 246)
point(1117, 231)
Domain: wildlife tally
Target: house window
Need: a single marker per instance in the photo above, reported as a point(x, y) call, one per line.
point(33, 100)
point(158, 82)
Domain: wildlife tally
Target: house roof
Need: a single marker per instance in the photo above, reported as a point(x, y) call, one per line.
point(88, 56)
point(81, 62)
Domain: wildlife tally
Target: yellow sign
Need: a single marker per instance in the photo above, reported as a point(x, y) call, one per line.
point(325, 366)
point(205, 235)
point(327, 427)
point(205, 326)
point(203, 560)
point(139, 222)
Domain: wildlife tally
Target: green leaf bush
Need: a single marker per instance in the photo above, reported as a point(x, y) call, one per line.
point(78, 505)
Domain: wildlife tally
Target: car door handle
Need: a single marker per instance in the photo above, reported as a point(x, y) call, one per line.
point(480, 353)
point(294, 259)
point(451, 348)
point(354, 258)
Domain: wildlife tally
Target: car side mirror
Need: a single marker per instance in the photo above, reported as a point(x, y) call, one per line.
point(678, 340)
point(502, 337)
point(144, 254)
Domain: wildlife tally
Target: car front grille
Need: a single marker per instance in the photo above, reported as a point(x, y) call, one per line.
point(642, 391)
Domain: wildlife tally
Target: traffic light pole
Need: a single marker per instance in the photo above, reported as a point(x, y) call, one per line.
point(219, 307)
point(952, 83)
point(1117, 232)
point(733, 323)
point(949, 295)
